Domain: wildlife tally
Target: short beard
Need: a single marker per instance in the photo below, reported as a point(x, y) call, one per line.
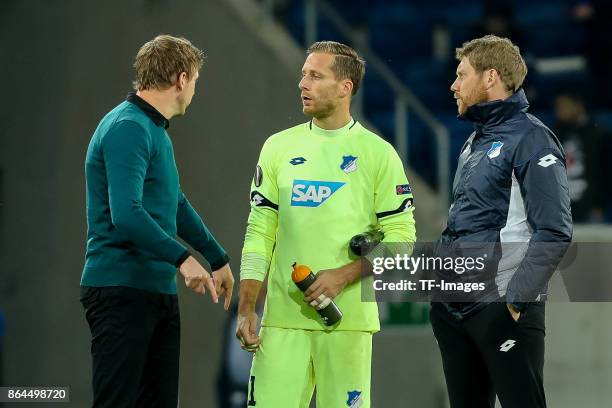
point(475, 97)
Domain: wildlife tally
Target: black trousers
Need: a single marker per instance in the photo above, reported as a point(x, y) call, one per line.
point(489, 353)
point(135, 341)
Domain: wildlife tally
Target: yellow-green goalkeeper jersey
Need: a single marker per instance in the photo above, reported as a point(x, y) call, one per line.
point(313, 190)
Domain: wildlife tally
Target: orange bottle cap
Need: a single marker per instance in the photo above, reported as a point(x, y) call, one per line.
point(300, 272)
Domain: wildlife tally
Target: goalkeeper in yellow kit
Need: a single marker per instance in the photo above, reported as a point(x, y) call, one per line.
point(316, 185)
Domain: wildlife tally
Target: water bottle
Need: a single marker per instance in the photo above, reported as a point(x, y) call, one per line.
point(362, 244)
point(326, 308)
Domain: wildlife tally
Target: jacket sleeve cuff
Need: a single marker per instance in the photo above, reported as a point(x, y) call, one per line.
point(182, 258)
point(220, 262)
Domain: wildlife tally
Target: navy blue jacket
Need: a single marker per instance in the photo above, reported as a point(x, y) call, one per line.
point(510, 190)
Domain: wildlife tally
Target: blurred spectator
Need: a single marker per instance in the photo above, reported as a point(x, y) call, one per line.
point(597, 15)
point(498, 20)
point(586, 152)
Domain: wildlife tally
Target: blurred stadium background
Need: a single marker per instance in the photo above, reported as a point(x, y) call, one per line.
point(66, 63)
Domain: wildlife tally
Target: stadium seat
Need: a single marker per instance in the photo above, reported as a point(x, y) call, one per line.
point(604, 119)
point(400, 32)
point(542, 39)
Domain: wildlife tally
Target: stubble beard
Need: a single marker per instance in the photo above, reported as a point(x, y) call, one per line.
point(323, 112)
point(478, 95)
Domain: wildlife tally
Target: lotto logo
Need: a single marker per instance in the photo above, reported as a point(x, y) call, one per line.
point(547, 160)
point(507, 345)
point(308, 193)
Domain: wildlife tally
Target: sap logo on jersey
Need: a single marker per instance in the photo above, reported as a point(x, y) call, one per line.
point(308, 193)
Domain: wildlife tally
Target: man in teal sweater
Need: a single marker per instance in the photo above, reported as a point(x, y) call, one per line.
point(135, 211)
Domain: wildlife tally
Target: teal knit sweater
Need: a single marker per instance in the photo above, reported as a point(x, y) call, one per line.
point(135, 207)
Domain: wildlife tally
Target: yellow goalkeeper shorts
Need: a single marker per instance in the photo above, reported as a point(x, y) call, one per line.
point(291, 362)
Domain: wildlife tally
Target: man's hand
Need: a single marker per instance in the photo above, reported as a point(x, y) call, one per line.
point(197, 278)
point(224, 284)
point(330, 282)
point(513, 312)
point(246, 326)
point(246, 331)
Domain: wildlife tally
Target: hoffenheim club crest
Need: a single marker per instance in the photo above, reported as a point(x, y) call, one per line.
point(495, 150)
point(354, 399)
point(349, 164)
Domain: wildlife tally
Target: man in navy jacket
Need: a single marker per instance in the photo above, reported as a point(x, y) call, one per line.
point(510, 201)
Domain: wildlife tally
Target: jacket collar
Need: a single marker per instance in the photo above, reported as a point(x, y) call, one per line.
point(148, 110)
point(489, 114)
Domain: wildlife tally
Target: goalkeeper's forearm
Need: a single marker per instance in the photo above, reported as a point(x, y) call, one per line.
point(356, 270)
point(249, 290)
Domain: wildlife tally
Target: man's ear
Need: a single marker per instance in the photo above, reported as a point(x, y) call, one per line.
point(492, 76)
point(347, 88)
point(182, 81)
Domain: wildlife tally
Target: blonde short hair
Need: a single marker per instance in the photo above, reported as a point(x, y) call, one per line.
point(500, 54)
point(160, 61)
